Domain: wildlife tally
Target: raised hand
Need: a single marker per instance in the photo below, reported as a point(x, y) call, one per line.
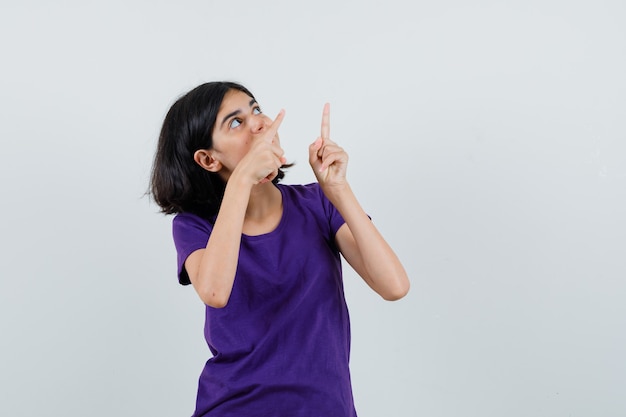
point(265, 156)
point(328, 160)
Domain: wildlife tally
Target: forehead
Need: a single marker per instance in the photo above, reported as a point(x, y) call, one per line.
point(235, 99)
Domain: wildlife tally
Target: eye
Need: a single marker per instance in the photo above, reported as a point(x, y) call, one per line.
point(235, 123)
point(257, 110)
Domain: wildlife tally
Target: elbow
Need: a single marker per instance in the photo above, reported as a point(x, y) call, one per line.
point(395, 295)
point(216, 303)
point(398, 291)
point(215, 299)
point(213, 292)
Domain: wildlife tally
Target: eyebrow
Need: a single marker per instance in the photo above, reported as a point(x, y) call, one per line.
point(236, 112)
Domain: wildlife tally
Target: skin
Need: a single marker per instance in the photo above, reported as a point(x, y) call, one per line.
point(246, 153)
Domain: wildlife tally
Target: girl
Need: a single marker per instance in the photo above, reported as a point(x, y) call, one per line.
point(265, 257)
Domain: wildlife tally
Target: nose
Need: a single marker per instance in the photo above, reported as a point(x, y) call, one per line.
point(260, 122)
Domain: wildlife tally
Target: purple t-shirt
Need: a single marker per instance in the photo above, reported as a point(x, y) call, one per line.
point(282, 343)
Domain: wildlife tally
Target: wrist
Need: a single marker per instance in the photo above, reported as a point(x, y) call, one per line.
point(239, 183)
point(338, 193)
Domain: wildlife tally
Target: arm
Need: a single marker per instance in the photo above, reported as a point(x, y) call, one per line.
point(212, 270)
point(365, 249)
point(359, 241)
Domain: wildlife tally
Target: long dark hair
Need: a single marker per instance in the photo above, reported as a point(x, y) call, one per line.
point(178, 184)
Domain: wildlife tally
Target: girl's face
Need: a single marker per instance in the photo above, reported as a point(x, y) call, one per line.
point(239, 122)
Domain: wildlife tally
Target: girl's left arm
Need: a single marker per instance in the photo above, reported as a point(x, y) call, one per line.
point(359, 241)
point(365, 249)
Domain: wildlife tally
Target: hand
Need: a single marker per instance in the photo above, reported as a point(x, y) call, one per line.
point(328, 160)
point(265, 156)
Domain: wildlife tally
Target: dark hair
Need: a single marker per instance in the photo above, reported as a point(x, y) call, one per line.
point(178, 184)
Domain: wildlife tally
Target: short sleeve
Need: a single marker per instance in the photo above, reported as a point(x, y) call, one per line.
point(334, 217)
point(190, 233)
point(332, 214)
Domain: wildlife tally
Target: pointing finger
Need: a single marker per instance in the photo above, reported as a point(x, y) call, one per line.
point(273, 129)
point(326, 122)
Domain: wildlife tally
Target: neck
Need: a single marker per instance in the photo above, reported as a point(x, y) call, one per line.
point(265, 200)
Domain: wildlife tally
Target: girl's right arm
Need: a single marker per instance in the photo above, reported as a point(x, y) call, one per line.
point(212, 270)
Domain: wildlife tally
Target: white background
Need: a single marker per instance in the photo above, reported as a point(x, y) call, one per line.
point(487, 141)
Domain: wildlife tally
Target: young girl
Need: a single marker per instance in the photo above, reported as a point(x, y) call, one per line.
point(264, 257)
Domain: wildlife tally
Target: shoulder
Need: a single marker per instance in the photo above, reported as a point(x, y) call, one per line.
point(312, 191)
point(306, 195)
point(186, 224)
point(301, 191)
point(310, 199)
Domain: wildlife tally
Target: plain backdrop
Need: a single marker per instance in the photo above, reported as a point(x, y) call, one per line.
point(487, 141)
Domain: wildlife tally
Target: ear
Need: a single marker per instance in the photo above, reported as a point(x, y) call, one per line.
point(205, 159)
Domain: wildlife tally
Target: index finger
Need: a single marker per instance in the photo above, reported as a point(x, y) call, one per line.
point(273, 129)
point(326, 122)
